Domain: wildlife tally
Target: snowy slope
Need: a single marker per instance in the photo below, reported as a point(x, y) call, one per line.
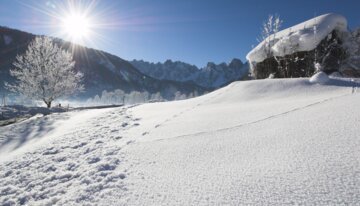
point(265, 142)
point(301, 37)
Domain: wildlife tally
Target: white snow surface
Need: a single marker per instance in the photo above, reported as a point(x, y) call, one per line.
point(301, 37)
point(261, 142)
point(319, 78)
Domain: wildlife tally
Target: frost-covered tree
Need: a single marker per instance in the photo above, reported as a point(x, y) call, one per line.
point(268, 36)
point(119, 96)
point(268, 31)
point(156, 97)
point(179, 96)
point(97, 99)
point(317, 64)
point(45, 72)
point(105, 97)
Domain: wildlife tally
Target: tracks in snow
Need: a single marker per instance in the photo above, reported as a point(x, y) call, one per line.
point(172, 118)
point(353, 91)
point(76, 168)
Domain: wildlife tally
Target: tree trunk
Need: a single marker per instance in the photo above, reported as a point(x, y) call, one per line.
point(48, 104)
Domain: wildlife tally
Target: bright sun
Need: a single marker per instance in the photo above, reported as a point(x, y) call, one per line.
point(76, 26)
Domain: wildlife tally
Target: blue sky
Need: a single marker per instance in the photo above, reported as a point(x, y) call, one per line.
point(194, 31)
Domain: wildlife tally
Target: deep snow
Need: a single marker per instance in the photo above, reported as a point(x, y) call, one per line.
point(319, 78)
point(267, 142)
point(301, 37)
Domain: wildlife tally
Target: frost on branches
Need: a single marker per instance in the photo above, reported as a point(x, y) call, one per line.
point(45, 72)
point(268, 32)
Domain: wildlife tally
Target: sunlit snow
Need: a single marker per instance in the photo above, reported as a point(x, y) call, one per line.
point(261, 142)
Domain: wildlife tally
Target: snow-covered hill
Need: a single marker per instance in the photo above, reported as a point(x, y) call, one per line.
point(261, 142)
point(211, 76)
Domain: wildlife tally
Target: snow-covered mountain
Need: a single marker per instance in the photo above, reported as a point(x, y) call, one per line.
point(102, 71)
point(261, 142)
point(211, 76)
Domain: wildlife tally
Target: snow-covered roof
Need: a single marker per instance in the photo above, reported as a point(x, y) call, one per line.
point(302, 37)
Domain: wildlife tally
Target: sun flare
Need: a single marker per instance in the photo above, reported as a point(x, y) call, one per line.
point(77, 26)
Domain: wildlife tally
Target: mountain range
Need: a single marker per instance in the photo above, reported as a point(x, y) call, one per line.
point(211, 76)
point(104, 71)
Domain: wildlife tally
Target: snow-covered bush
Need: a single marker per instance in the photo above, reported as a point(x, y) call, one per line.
point(319, 78)
point(45, 72)
point(335, 75)
point(271, 76)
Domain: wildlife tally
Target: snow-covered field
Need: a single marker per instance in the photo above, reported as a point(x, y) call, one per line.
point(261, 142)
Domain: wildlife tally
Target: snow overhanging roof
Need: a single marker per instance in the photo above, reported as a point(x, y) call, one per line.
point(301, 37)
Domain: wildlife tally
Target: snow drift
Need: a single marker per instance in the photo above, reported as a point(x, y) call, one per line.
point(319, 78)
